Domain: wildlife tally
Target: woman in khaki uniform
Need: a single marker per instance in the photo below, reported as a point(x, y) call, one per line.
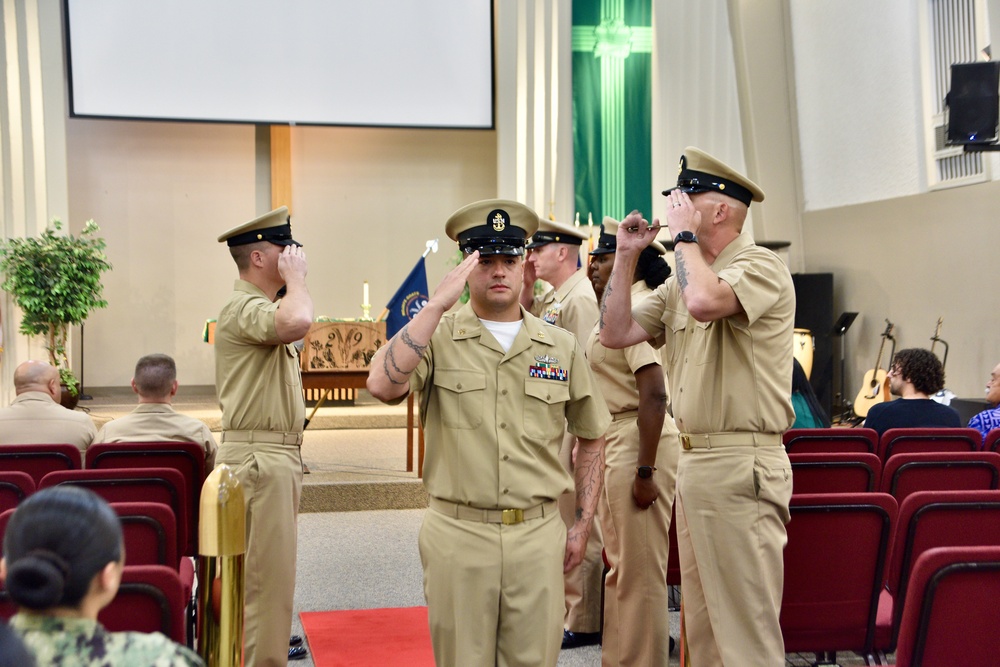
point(640, 476)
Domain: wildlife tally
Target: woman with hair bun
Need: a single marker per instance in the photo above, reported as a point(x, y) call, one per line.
point(62, 563)
point(640, 474)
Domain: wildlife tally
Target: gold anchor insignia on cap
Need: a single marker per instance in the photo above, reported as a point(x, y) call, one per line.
point(498, 223)
point(680, 165)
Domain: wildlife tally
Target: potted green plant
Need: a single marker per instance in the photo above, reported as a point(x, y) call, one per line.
point(55, 279)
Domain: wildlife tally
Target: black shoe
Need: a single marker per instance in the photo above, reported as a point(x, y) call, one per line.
point(671, 651)
point(295, 640)
point(297, 653)
point(577, 639)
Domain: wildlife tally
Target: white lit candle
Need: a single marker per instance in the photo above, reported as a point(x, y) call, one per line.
point(366, 294)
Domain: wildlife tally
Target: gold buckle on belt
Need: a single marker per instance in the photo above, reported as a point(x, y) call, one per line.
point(511, 517)
point(686, 441)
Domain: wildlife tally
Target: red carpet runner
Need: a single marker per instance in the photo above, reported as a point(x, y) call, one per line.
point(369, 637)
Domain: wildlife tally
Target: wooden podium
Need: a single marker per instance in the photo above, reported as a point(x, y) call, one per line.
point(336, 357)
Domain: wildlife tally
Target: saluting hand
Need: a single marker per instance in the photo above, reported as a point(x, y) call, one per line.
point(682, 216)
point(292, 263)
point(447, 293)
point(635, 233)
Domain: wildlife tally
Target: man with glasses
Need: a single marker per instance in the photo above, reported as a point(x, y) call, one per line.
point(914, 375)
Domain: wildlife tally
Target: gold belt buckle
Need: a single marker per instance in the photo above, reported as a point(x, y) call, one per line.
point(511, 517)
point(686, 441)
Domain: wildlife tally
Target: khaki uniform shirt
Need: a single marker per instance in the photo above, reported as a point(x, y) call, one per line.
point(495, 420)
point(33, 418)
point(573, 306)
point(81, 642)
point(257, 375)
point(615, 369)
point(734, 374)
point(159, 422)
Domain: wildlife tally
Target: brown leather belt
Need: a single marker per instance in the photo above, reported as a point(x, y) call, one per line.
point(740, 439)
point(508, 517)
point(269, 437)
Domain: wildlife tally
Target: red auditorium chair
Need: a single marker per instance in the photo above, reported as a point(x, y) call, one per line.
point(951, 614)
point(4, 520)
point(118, 485)
point(835, 472)
point(909, 440)
point(834, 569)
point(188, 458)
point(150, 599)
point(929, 519)
point(40, 460)
point(15, 486)
point(992, 440)
point(940, 471)
point(149, 531)
point(817, 440)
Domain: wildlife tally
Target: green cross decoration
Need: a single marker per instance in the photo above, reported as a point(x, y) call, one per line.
point(612, 106)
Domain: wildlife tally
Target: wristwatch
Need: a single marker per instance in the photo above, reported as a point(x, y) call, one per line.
point(685, 237)
point(644, 472)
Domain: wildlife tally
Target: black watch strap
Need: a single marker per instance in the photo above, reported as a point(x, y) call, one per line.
point(645, 472)
point(685, 237)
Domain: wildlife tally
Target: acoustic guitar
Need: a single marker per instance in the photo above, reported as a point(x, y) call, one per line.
point(875, 386)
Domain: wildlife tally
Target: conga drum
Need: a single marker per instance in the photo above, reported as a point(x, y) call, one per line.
point(803, 348)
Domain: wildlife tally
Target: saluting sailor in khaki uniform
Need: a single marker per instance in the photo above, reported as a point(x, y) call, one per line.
point(497, 387)
point(553, 256)
point(260, 390)
point(639, 477)
point(726, 323)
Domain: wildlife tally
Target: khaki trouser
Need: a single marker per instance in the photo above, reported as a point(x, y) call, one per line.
point(637, 545)
point(731, 515)
point(271, 476)
point(494, 592)
point(583, 582)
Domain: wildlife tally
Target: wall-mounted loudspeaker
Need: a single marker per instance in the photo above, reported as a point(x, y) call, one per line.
point(973, 103)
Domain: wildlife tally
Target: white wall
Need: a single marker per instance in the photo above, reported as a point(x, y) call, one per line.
point(365, 203)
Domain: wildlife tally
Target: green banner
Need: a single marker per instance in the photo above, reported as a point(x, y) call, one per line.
point(612, 102)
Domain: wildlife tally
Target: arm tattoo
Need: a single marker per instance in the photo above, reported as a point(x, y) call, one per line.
point(419, 350)
point(604, 301)
point(390, 356)
point(682, 274)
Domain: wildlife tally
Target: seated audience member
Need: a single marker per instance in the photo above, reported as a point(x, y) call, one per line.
point(808, 412)
point(987, 420)
point(154, 419)
point(914, 375)
point(35, 417)
point(62, 563)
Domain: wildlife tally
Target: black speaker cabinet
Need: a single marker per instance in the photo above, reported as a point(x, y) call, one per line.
point(974, 103)
point(814, 311)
